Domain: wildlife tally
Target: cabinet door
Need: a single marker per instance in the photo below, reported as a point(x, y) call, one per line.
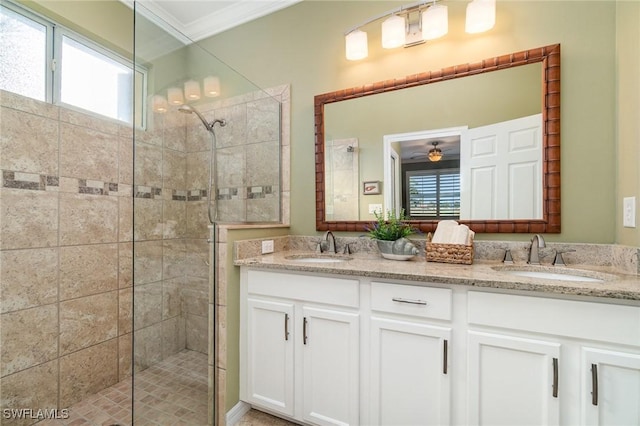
point(270, 363)
point(409, 373)
point(330, 366)
point(611, 388)
point(512, 380)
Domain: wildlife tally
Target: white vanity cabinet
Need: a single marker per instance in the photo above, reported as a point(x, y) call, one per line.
point(610, 387)
point(512, 380)
point(535, 360)
point(409, 355)
point(328, 350)
point(300, 346)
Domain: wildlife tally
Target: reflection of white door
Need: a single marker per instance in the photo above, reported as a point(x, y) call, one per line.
point(501, 171)
point(396, 181)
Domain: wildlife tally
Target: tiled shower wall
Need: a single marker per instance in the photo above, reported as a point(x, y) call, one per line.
point(67, 223)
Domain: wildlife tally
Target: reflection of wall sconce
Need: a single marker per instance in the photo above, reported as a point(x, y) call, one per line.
point(371, 187)
point(174, 94)
point(192, 90)
point(211, 86)
point(159, 104)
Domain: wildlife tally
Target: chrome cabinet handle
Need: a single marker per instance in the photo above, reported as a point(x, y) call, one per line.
point(286, 326)
point(555, 377)
point(304, 331)
point(594, 384)
point(445, 356)
point(411, 301)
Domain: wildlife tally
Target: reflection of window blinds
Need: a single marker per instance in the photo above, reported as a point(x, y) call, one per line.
point(434, 194)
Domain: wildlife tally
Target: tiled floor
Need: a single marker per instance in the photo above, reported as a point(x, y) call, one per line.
point(171, 393)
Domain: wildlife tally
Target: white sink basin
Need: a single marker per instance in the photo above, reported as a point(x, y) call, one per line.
point(317, 259)
point(553, 276)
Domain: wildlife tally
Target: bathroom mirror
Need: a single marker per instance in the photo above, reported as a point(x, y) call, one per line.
point(485, 88)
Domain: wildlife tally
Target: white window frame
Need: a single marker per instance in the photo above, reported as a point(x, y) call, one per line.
point(54, 35)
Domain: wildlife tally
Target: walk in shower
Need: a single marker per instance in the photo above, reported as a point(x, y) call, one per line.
point(109, 274)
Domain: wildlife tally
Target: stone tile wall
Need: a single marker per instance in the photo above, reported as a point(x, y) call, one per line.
point(70, 211)
point(65, 254)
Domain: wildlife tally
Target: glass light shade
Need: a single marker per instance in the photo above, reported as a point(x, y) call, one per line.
point(211, 86)
point(481, 16)
point(174, 94)
point(192, 90)
point(435, 155)
point(356, 45)
point(435, 22)
point(159, 104)
point(394, 32)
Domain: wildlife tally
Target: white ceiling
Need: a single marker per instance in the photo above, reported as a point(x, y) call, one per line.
point(199, 19)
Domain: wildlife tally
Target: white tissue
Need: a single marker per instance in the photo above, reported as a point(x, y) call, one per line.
point(444, 231)
point(460, 235)
point(450, 232)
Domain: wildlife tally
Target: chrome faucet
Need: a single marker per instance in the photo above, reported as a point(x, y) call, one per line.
point(537, 242)
point(331, 243)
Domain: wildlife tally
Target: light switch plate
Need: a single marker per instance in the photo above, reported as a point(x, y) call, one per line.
point(267, 246)
point(629, 212)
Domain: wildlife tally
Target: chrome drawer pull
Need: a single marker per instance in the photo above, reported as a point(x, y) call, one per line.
point(594, 384)
point(411, 301)
point(445, 356)
point(555, 378)
point(286, 326)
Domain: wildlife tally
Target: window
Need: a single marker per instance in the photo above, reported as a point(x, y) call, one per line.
point(23, 54)
point(433, 194)
point(47, 62)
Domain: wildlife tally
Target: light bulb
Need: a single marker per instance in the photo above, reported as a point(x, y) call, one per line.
point(174, 94)
point(435, 22)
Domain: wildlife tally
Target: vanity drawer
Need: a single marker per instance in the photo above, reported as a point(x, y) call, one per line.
point(418, 301)
point(334, 291)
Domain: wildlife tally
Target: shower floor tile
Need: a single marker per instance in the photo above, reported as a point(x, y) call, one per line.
point(170, 393)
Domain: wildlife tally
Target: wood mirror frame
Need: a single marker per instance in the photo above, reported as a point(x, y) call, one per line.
point(549, 56)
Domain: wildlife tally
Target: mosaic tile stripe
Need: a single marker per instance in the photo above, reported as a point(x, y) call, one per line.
point(227, 193)
point(140, 191)
point(30, 181)
point(96, 187)
point(254, 192)
point(197, 195)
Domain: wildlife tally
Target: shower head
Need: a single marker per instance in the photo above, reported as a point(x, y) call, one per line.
point(188, 109)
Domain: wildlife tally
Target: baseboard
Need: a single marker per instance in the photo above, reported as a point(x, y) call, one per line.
point(237, 411)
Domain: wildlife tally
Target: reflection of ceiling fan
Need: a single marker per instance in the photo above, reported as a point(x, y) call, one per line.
point(435, 153)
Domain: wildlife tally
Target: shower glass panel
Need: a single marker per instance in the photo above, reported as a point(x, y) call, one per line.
point(209, 153)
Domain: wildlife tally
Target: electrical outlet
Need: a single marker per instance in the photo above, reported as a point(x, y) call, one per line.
point(267, 246)
point(629, 212)
point(373, 208)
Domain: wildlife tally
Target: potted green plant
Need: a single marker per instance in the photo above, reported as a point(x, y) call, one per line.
point(391, 235)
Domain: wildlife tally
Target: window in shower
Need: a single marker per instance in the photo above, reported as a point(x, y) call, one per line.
point(45, 61)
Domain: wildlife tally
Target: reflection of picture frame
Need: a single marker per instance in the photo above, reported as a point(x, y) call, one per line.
point(371, 187)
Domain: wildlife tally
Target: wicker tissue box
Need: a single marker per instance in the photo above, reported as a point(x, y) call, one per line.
point(449, 253)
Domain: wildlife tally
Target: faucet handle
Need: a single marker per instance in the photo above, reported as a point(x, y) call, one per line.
point(559, 260)
point(319, 248)
point(346, 249)
point(508, 259)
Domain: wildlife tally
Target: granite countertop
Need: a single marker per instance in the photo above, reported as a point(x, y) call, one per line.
point(482, 274)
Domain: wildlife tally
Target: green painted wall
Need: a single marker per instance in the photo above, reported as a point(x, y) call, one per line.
point(303, 45)
point(628, 111)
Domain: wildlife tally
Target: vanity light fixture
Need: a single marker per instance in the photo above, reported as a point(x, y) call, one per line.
point(431, 21)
